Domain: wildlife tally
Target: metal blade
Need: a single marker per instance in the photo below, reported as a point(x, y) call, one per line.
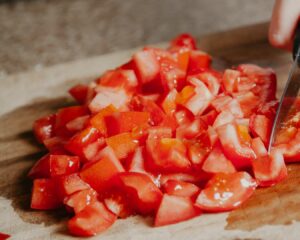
point(289, 95)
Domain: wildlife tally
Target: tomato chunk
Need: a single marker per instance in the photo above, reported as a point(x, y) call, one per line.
point(180, 188)
point(174, 209)
point(45, 195)
point(226, 191)
point(261, 126)
point(93, 219)
point(145, 195)
point(79, 92)
point(70, 184)
point(43, 128)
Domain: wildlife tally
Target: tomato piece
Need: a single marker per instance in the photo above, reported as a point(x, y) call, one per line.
point(210, 117)
point(198, 61)
point(211, 81)
point(121, 122)
point(230, 80)
point(105, 96)
point(248, 102)
point(180, 188)
point(192, 177)
point(261, 126)
point(224, 117)
point(142, 191)
point(216, 162)
point(147, 70)
point(291, 149)
point(43, 128)
point(93, 219)
point(98, 120)
point(54, 165)
point(197, 152)
point(174, 209)
point(4, 236)
point(118, 205)
point(45, 195)
point(285, 135)
point(81, 140)
point(99, 174)
point(239, 153)
point(182, 56)
point(226, 103)
point(184, 40)
point(137, 163)
point(268, 109)
point(79, 93)
point(122, 144)
point(70, 184)
point(65, 115)
point(80, 199)
point(226, 191)
point(191, 130)
point(159, 132)
point(119, 78)
point(167, 155)
point(169, 102)
point(268, 169)
point(78, 124)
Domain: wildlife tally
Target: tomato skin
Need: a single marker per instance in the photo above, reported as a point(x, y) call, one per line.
point(184, 40)
point(121, 122)
point(99, 174)
point(261, 126)
point(122, 144)
point(174, 209)
point(93, 219)
point(80, 199)
point(142, 191)
point(81, 140)
point(45, 195)
point(232, 188)
point(79, 92)
point(43, 128)
point(291, 149)
point(180, 188)
point(70, 184)
point(198, 61)
point(238, 153)
point(268, 169)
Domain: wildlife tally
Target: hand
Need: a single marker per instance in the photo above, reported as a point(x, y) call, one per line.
point(286, 14)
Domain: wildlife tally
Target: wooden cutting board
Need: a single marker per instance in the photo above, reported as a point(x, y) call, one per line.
point(272, 213)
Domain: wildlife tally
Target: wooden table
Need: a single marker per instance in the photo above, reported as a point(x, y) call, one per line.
point(270, 213)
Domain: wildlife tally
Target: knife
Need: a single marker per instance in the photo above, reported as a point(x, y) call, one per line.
point(290, 92)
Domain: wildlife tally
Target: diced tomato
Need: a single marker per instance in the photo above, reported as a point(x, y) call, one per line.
point(121, 122)
point(216, 162)
point(122, 144)
point(291, 149)
point(192, 177)
point(224, 117)
point(182, 56)
point(174, 209)
point(137, 163)
point(249, 103)
point(230, 80)
point(211, 81)
point(285, 135)
point(184, 40)
point(119, 205)
point(119, 78)
point(43, 128)
point(78, 124)
point(80, 199)
point(167, 155)
point(191, 130)
point(55, 145)
point(54, 165)
point(45, 195)
point(210, 117)
point(106, 96)
point(148, 69)
point(159, 132)
point(261, 126)
point(197, 152)
point(180, 188)
point(65, 115)
point(93, 219)
point(198, 61)
point(143, 193)
point(99, 174)
point(239, 153)
point(169, 103)
point(212, 135)
point(268, 109)
point(79, 93)
point(268, 169)
point(98, 120)
point(223, 103)
point(226, 191)
point(81, 140)
point(70, 184)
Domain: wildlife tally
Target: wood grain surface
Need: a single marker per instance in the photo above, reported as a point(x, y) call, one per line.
point(271, 213)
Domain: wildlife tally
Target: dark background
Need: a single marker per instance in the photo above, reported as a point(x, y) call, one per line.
point(37, 33)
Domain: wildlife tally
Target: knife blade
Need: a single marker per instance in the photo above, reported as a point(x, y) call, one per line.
point(290, 92)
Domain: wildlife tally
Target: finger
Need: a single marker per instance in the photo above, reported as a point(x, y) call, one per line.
point(283, 23)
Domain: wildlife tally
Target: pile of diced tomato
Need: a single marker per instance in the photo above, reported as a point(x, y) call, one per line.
point(163, 135)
